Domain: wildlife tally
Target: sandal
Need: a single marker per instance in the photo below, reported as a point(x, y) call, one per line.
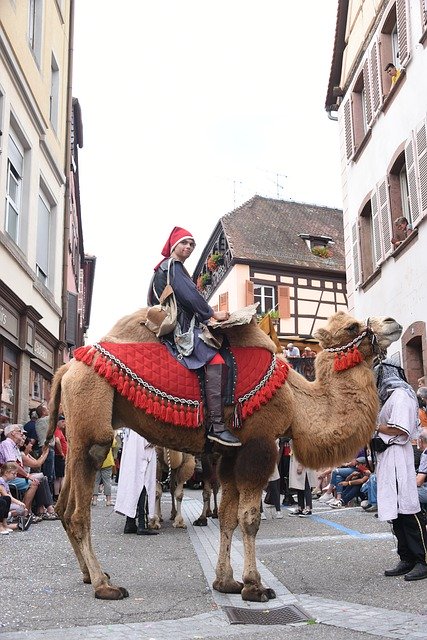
point(35, 519)
point(50, 516)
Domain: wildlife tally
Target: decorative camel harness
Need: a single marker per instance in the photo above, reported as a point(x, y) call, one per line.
point(155, 382)
point(348, 355)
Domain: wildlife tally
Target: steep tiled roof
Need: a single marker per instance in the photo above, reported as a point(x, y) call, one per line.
point(266, 230)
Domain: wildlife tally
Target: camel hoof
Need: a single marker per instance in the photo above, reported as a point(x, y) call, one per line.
point(87, 580)
point(180, 524)
point(253, 593)
point(201, 522)
point(109, 592)
point(228, 587)
point(215, 514)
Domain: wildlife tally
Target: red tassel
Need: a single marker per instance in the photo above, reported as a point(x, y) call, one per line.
point(125, 389)
point(137, 399)
point(169, 413)
point(156, 408)
point(337, 365)
point(189, 418)
point(102, 368)
point(182, 420)
point(120, 382)
point(143, 400)
point(175, 415)
point(132, 391)
point(149, 408)
point(108, 371)
point(114, 376)
point(163, 410)
point(98, 363)
point(357, 356)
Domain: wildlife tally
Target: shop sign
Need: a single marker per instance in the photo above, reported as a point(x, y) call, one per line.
point(8, 321)
point(43, 352)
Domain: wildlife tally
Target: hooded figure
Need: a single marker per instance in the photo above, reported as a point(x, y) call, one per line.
point(396, 479)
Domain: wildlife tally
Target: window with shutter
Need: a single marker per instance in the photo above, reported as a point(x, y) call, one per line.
point(15, 168)
point(43, 240)
point(412, 180)
point(402, 31)
point(348, 129)
point(359, 105)
point(266, 296)
point(385, 217)
point(284, 302)
point(376, 229)
point(249, 292)
point(421, 137)
point(71, 326)
point(223, 301)
point(355, 253)
point(375, 76)
point(367, 94)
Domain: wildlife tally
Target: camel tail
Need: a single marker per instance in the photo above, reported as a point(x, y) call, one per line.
point(55, 400)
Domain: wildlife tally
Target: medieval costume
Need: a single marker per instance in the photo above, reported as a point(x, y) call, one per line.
point(186, 342)
point(396, 478)
point(136, 491)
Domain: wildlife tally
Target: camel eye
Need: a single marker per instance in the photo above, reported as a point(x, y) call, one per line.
point(352, 328)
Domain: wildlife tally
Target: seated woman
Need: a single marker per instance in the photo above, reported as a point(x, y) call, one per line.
point(43, 500)
point(352, 485)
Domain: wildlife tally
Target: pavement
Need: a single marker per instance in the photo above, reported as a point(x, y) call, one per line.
point(329, 565)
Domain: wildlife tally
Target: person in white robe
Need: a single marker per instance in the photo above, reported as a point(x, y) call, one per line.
point(398, 500)
point(136, 490)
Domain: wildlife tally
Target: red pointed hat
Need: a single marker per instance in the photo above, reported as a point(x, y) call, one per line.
point(177, 234)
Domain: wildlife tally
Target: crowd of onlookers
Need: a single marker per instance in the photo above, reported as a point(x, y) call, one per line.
point(31, 471)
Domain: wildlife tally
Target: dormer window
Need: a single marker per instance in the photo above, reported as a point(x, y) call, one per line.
point(316, 241)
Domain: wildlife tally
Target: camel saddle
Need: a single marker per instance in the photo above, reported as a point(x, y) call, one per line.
point(155, 382)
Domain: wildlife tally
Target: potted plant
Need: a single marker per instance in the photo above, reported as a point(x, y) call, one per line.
point(203, 280)
point(321, 252)
point(214, 260)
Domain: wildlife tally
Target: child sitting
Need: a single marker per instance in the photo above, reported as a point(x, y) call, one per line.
point(17, 508)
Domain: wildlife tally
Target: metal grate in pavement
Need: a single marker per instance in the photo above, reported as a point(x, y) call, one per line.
point(280, 615)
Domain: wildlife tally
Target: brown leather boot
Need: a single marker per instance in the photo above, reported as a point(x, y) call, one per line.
point(213, 384)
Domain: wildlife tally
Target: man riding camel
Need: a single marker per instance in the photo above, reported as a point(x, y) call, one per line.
point(193, 309)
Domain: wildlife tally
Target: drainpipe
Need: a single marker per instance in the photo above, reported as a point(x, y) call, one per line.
point(66, 229)
point(331, 117)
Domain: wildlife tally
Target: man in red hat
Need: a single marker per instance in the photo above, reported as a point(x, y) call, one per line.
point(193, 310)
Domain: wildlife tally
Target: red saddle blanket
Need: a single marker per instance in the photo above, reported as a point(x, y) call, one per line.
point(154, 381)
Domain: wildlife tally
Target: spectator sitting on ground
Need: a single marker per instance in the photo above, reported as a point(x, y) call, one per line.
point(43, 500)
point(334, 490)
point(352, 485)
point(323, 481)
point(370, 490)
point(10, 452)
point(403, 230)
point(292, 351)
point(17, 509)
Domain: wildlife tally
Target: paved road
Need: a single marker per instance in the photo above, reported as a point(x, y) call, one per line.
point(331, 565)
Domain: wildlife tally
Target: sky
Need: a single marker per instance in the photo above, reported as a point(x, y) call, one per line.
point(190, 108)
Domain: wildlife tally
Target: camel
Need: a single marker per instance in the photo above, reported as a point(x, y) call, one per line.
point(180, 467)
point(329, 420)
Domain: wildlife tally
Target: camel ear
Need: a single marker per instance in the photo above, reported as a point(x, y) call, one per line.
point(323, 336)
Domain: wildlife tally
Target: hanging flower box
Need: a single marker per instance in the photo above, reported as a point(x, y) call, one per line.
point(214, 260)
point(203, 281)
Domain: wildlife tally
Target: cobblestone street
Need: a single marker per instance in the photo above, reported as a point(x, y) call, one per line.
point(331, 565)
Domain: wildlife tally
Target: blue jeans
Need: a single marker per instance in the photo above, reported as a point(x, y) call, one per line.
point(339, 475)
point(422, 493)
point(370, 488)
point(48, 468)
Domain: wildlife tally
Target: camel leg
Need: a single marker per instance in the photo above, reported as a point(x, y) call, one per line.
point(74, 510)
point(249, 520)
point(228, 507)
point(202, 520)
point(177, 497)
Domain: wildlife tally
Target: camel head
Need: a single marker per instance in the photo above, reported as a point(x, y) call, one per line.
point(353, 340)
